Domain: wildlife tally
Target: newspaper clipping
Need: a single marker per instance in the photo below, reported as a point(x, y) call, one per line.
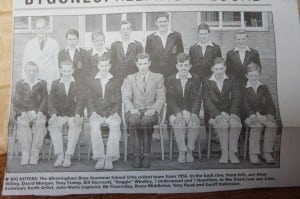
point(153, 96)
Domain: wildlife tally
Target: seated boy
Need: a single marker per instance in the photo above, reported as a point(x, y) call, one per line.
point(104, 107)
point(65, 108)
point(30, 104)
point(260, 112)
point(184, 103)
point(143, 95)
point(221, 97)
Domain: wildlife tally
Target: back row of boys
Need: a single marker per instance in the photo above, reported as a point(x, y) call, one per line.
point(143, 93)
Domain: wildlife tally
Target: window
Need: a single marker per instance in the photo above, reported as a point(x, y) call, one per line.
point(94, 23)
point(136, 20)
point(113, 22)
point(251, 21)
point(27, 24)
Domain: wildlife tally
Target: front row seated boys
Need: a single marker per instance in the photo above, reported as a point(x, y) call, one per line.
point(65, 108)
point(30, 104)
point(221, 97)
point(104, 107)
point(260, 111)
point(143, 95)
point(184, 103)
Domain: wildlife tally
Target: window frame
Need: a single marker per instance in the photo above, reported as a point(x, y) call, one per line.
point(30, 30)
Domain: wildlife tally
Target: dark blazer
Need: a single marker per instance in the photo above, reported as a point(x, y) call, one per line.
point(25, 99)
point(201, 64)
point(80, 63)
point(164, 59)
point(261, 101)
point(62, 104)
point(236, 68)
point(93, 61)
point(215, 102)
point(123, 63)
point(191, 101)
point(110, 104)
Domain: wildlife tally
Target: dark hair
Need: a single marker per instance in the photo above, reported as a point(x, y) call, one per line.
point(240, 32)
point(182, 57)
point(253, 67)
point(105, 57)
point(162, 14)
point(203, 26)
point(142, 56)
point(31, 63)
point(125, 22)
point(66, 62)
point(72, 32)
point(219, 60)
point(97, 34)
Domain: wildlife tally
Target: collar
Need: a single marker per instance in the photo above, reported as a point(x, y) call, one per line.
point(67, 48)
point(109, 76)
point(64, 82)
point(189, 75)
point(213, 77)
point(237, 49)
point(209, 43)
point(94, 52)
point(129, 42)
point(159, 35)
point(248, 85)
point(30, 84)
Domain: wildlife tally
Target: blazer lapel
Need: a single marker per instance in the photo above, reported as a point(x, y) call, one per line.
point(170, 43)
point(138, 82)
point(237, 57)
point(158, 43)
point(130, 48)
point(179, 87)
point(149, 82)
point(247, 57)
point(199, 51)
point(214, 87)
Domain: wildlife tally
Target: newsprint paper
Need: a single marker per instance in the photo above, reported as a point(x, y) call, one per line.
point(153, 96)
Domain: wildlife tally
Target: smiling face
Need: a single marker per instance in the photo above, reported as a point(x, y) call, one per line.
point(72, 41)
point(125, 31)
point(241, 40)
point(219, 70)
point(204, 35)
point(143, 65)
point(253, 76)
point(31, 72)
point(104, 67)
point(66, 70)
point(162, 24)
point(183, 67)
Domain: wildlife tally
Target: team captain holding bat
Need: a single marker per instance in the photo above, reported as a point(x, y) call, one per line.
point(100, 80)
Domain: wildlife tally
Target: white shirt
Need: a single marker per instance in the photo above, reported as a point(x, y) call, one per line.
point(219, 84)
point(248, 85)
point(46, 59)
point(126, 44)
point(66, 84)
point(72, 52)
point(242, 53)
point(31, 85)
point(183, 81)
point(94, 52)
point(103, 81)
point(204, 46)
point(164, 39)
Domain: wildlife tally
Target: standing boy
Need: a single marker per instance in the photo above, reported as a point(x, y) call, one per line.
point(241, 56)
point(104, 107)
point(184, 103)
point(123, 53)
point(30, 104)
point(163, 46)
point(221, 97)
point(260, 112)
point(98, 50)
point(143, 94)
point(203, 53)
point(65, 108)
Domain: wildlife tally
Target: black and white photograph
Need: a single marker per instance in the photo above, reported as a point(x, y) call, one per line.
point(145, 90)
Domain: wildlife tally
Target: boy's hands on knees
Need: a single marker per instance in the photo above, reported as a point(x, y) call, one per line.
point(77, 120)
point(31, 115)
point(193, 120)
point(116, 117)
point(150, 112)
point(40, 116)
point(94, 117)
point(23, 119)
point(135, 111)
point(270, 118)
point(179, 120)
point(235, 121)
point(253, 121)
